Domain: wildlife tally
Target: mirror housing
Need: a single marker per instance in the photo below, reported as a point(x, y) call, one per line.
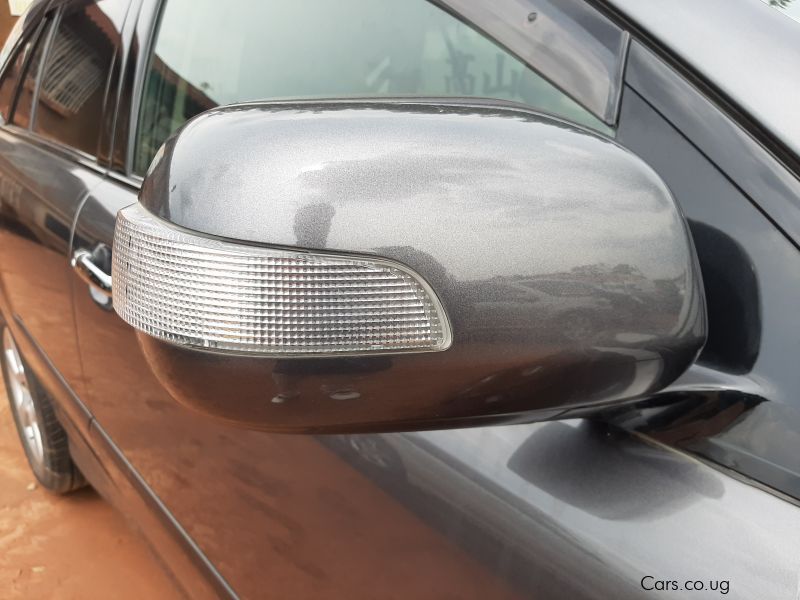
point(553, 265)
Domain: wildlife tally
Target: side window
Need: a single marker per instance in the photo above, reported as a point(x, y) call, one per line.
point(73, 84)
point(12, 74)
point(205, 56)
point(22, 112)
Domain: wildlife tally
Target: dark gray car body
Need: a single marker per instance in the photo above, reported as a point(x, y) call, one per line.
point(695, 484)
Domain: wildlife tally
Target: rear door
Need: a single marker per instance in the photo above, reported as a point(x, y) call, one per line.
point(48, 162)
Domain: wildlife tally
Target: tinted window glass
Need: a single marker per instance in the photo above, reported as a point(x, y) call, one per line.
point(205, 56)
point(11, 77)
point(70, 105)
point(13, 36)
point(22, 112)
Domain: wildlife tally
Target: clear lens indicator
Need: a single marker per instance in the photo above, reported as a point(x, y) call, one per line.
point(191, 290)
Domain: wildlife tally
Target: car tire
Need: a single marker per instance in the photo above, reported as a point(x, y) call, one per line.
point(42, 436)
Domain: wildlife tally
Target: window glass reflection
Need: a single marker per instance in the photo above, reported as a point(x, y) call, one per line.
point(22, 113)
point(11, 77)
point(73, 84)
point(205, 56)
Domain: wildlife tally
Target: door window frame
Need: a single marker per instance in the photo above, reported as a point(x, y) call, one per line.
point(49, 15)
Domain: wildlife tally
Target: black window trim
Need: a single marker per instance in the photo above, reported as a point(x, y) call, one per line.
point(776, 197)
point(64, 151)
point(27, 22)
point(105, 156)
point(51, 20)
point(789, 159)
point(32, 36)
point(133, 48)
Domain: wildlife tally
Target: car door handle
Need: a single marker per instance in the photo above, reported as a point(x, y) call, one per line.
point(85, 266)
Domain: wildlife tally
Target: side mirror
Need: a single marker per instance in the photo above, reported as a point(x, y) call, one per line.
point(343, 266)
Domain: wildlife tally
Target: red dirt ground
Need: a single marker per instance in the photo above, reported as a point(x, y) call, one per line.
point(65, 547)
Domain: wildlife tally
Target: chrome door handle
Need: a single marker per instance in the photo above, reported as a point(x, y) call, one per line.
point(84, 265)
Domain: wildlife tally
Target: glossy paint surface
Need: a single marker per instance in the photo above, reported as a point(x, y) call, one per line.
point(42, 184)
point(562, 290)
point(467, 513)
point(39, 197)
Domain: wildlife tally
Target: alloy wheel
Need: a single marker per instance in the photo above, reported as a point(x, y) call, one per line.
point(21, 399)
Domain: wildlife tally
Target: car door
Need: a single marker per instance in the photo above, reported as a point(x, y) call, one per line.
point(48, 162)
point(550, 510)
